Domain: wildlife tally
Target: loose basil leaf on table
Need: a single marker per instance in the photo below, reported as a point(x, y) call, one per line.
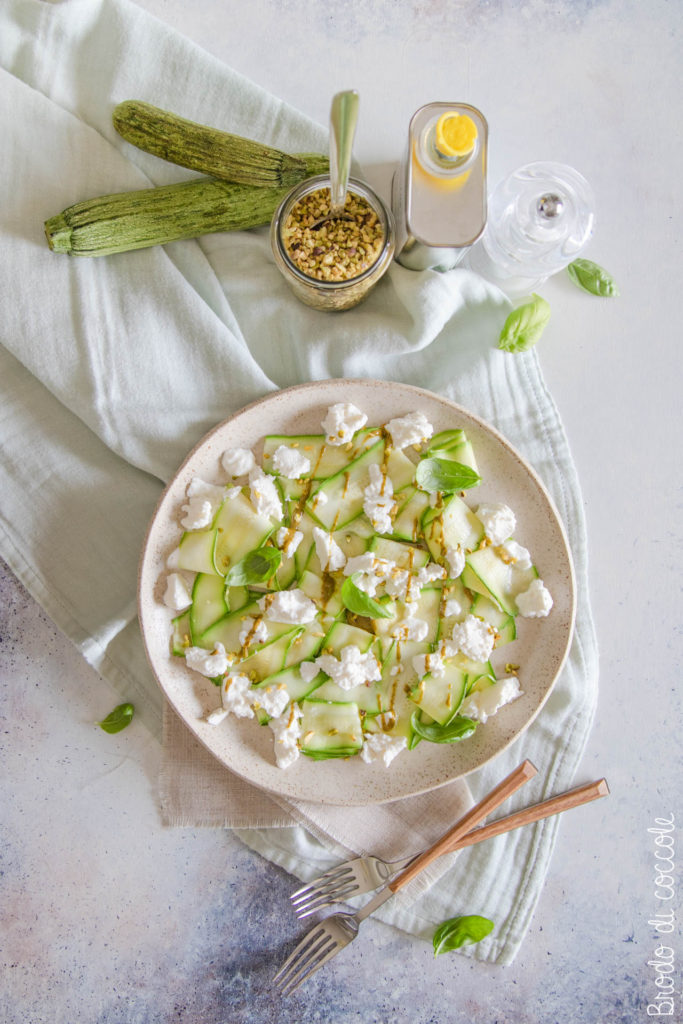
point(357, 601)
point(434, 474)
point(525, 325)
point(256, 567)
point(118, 719)
point(592, 278)
point(458, 728)
point(461, 931)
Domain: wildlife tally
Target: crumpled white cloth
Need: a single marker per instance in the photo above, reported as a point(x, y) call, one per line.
point(111, 369)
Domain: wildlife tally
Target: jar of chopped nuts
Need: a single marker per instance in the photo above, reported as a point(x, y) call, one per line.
point(331, 263)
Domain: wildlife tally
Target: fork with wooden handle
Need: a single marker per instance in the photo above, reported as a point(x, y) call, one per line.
point(326, 939)
point(363, 874)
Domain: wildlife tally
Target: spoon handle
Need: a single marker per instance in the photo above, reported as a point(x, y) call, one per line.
point(343, 118)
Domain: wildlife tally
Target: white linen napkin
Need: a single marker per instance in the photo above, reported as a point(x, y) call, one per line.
point(111, 369)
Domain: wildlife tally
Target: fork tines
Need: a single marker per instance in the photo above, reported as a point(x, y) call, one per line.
point(316, 947)
point(338, 881)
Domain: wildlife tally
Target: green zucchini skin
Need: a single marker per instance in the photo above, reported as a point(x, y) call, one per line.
point(154, 216)
point(217, 153)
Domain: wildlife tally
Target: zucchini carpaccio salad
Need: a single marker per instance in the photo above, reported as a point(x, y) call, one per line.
point(347, 593)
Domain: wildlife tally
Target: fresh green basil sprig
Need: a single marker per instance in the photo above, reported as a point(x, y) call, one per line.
point(525, 325)
point(592, 278)
point(358, 602)
point(256, 567)
point(461, 931)
point(434, 474)
point(118, 719)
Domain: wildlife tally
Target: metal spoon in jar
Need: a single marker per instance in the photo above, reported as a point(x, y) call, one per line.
point(343, 118)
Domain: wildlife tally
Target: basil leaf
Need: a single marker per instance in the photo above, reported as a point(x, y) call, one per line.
point(357, 601)
point(592, 278)
point(445, 475)
point(459, 728)
point(525, 325)
point(118, 719)
point(461, 931)
point(256, 567)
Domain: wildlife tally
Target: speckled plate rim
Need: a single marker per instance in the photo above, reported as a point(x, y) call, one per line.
point(541, 648)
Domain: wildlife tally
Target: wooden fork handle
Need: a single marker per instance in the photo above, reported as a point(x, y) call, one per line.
point(502, 791)
point(555, 805)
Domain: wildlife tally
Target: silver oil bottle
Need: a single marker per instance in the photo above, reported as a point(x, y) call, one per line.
point(439, 200)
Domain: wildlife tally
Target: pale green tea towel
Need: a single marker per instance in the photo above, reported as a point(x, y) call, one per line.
point(112, 369)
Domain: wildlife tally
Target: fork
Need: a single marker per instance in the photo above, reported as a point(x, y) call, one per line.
point(326, 939)
point(363, 874)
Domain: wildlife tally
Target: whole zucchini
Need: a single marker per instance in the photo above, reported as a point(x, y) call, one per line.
point(220, 154)
point(154, 216)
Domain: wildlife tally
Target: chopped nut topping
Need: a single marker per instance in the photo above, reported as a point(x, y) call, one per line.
point(337, 249)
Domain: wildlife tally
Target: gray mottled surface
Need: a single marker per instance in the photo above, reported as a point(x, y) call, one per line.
point(107, 917)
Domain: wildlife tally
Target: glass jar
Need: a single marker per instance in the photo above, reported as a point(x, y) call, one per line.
point(540, 219)
point(326, 294)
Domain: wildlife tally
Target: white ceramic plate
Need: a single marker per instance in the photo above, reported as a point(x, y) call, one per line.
point(541, 648)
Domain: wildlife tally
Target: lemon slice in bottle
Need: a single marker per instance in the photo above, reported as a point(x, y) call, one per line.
point(455, 135)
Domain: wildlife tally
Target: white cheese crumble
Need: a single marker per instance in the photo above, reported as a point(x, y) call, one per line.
point(378, 500)
point(286, 732)
point(330, 555)
point(254, 631)
point(199, 514)
point(238, 461)
point(352, 669)
point(290, 463)
point(366, 563)
point(431, 664)
point(308, 670)
point(498, 520)
point(369, 571)
point(288, 540)
point(474, 638)
point(521, 559)
point(216, 717)
point(535, 602)
point(411, 628)
point(204, 501)
point(429, 573)
point(452, 607)
point(173, 560)
point(398, 584)
point(198, 488)
point(271, 699)
point(382, 746)
point(208, 663)
point(264, 494)
point(411, 429)
point(237, 695)
point(341, 422)
point(481, 704)
point(455, 560)
point(177, 595)
point(288, 606)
